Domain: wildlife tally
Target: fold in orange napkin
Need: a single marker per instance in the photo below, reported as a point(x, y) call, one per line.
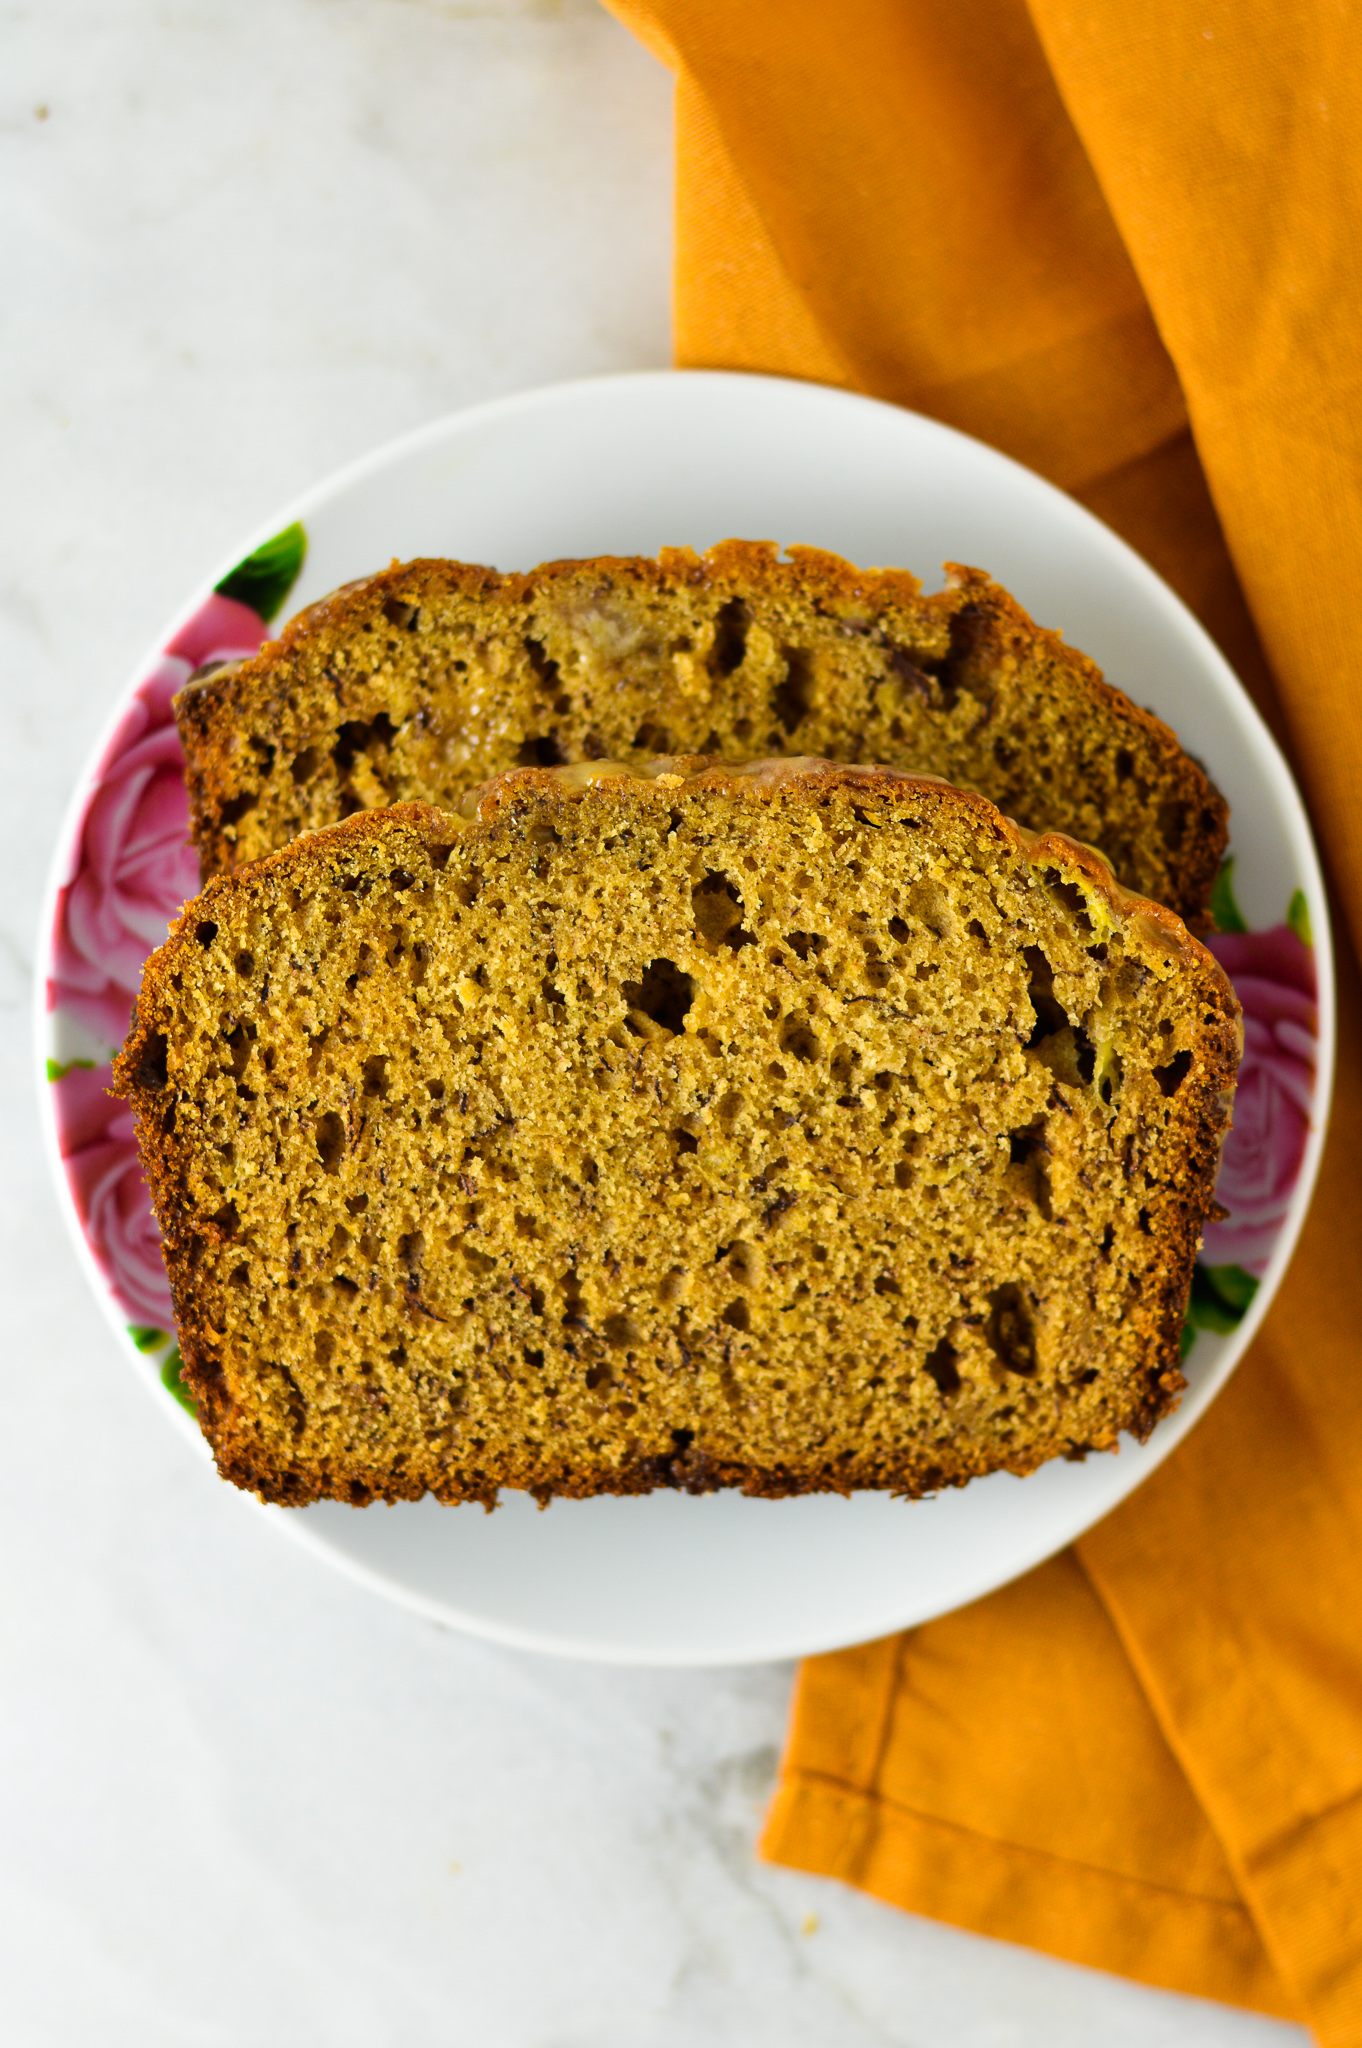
point(1120, 243)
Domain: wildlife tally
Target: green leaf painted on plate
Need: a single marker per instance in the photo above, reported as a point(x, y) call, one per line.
point(265, 578)
point(1235, 1287)
point(1224, 910)
point(146, 1338)
point(173, 1382)
point(1211, 1314)
point(1220, 1295)
point(1298, 917)
point(57, 1070)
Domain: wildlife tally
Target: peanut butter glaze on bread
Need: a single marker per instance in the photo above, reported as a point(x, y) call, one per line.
point(415, 684)
point(792, 1126)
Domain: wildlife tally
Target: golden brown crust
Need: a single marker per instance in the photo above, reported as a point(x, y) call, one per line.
point(347, 710)
point(198, 1241)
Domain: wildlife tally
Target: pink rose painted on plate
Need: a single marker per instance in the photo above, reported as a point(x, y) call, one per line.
point(1273, 973)
point(1274, 977)
point(132, 867)
point(132, 864)
point(111, 1198)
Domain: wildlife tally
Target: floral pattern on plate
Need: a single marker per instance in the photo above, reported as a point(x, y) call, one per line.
point(132, 867)
point(1273, 973)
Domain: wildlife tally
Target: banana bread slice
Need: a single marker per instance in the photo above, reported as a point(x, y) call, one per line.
point(420, 682)
point(789, 1126)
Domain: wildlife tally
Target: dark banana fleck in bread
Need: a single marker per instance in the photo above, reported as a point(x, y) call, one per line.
point(419, 683)
point(793, 1127)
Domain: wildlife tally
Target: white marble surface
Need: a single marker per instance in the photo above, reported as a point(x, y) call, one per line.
point(241, 1801)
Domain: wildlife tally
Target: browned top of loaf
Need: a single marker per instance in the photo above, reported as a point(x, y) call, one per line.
point(792, 1126)
point(419, 682)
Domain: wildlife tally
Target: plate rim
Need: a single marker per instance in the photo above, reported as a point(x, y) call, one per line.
point(1153, 588)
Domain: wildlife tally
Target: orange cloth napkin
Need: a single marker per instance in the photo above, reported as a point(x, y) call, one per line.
point(1122, 243)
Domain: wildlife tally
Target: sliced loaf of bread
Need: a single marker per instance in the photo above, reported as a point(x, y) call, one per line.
point(418, 683)
point(793, 1127)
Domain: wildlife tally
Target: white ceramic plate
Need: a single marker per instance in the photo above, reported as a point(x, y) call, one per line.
point(625, 465)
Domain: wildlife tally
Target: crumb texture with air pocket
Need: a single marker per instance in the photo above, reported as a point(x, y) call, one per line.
point(420, 682)
point(788, 1126)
